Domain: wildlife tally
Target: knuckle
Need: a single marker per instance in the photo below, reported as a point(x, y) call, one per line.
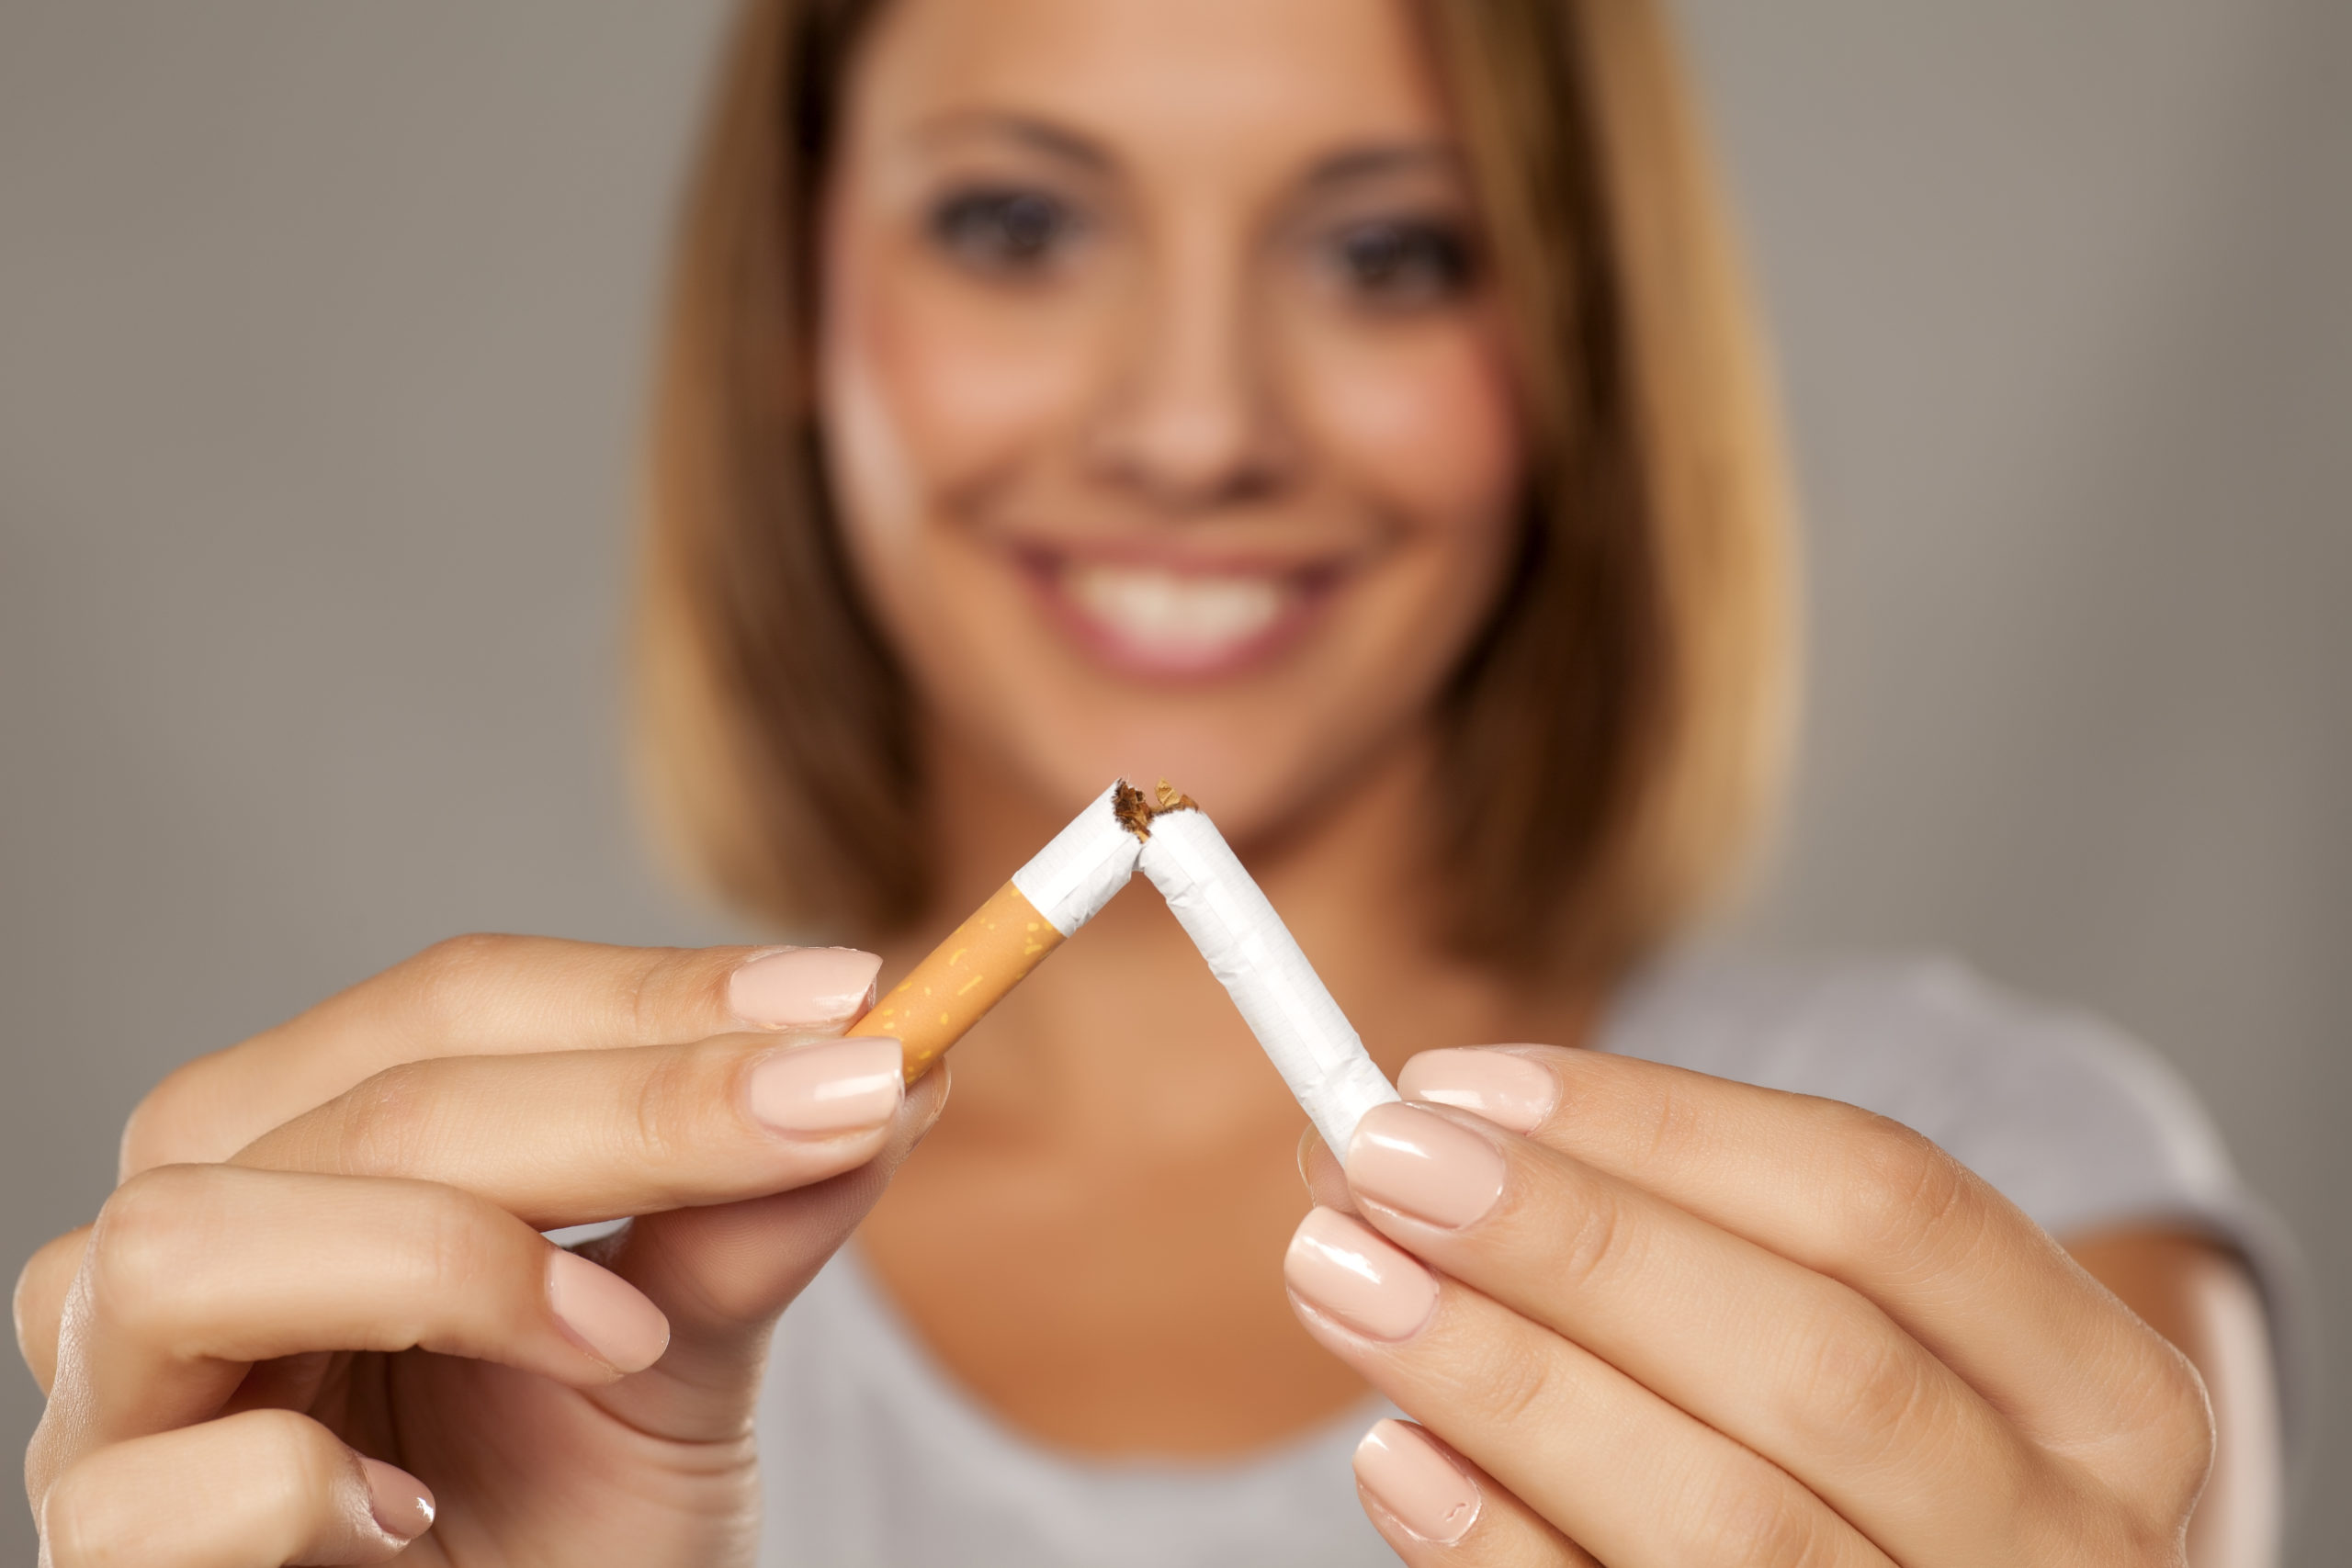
point(169, 1122)
point(669, 995)
point(1673, 1125)
point(385, 1124)
point(442, 1248)
point(671, 1107)
point(82, 1521)
point(1598, 1241)
point(301, 1461)
point(147, 1233)
point(38, 1301)
point(1907, 1197)
point(2176, 1427)
point(1751, 1519)
point(443, 985)
point(1861, 1384)
point(1518, 1385)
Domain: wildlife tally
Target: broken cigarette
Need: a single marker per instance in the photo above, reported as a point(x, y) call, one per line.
point(1067, 884)
point(1064, 886)
point(1281, 999)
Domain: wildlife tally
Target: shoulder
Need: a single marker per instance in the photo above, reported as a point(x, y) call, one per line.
point(2078, 1125)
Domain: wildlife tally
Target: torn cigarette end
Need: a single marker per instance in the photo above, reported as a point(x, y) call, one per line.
point(1135, 810)
point(961, 979)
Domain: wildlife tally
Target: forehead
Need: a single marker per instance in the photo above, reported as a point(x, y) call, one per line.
point(1204, 82)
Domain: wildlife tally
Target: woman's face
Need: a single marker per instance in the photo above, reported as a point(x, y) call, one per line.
point(1164, 393)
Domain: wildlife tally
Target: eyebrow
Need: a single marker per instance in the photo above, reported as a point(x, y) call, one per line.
point(1340, 169)
point(1042, 136)
point(1370, 163)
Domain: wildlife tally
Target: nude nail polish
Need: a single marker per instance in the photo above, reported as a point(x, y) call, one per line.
point(1416, 1482)
point(1413, 1160)
point(403, 1505)
point(1510, 1090)
point(836, 1087)
point(1344, 1271)
point(609, 1317)
point(803, 988)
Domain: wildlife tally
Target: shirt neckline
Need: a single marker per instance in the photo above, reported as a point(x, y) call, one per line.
point(956, 1413)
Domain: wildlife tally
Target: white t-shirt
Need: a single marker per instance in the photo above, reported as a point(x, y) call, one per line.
point(872, 1455)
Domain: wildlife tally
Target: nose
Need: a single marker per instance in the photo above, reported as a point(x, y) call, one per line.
point(1187, 416)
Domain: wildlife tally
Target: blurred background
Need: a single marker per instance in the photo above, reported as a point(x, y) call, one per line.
point(322, 337)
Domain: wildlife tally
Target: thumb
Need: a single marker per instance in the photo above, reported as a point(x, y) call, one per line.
point(722, 1275)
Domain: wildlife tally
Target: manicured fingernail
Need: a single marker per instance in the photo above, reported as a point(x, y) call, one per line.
point(403, 1505)
point(605, 1313)
point(1415, 1480)
point(1341, 1268)
point(841, 1086)
point(1511, 1091)
point(1413, 1160)
point(788, 987)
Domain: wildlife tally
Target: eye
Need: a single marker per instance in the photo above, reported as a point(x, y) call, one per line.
point(1004, 232)
point(1400, 263)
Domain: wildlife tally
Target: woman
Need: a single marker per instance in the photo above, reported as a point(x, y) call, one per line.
point(1343, 408)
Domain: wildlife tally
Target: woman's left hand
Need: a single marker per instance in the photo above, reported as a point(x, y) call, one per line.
point(1668, 1319)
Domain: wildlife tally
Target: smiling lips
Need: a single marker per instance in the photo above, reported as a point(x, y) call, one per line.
point(1153, 620)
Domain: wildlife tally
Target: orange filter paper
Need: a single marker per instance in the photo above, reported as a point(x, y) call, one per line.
point(961, 979)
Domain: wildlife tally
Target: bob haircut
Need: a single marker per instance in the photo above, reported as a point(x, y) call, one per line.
point(1609, 741)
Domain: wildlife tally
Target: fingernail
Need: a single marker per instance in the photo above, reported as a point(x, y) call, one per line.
point(786, 987)
point(401, 1503)
point(841, 1086)
point(1413, 1479)
point(1340, 1269)
point(605, 1313)
point(939, 1100)
point(1508, 1090)
point(1319, 1171)
point(1415, 1161)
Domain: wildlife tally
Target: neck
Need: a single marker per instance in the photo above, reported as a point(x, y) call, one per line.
point(1123, 1039)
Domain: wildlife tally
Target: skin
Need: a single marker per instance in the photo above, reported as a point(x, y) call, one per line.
point(1079, 311)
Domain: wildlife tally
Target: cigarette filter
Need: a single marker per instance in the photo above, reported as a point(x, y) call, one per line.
point(1281, 999)
point(1064, 886)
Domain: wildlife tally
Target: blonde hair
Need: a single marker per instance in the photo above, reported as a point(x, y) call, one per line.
point(1610, 740)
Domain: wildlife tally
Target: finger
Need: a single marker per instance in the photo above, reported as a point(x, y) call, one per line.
point(1435, 1508)
point(195, 1273)
point(39, 1302)
point(490, 994)
point(1319, 1167)
point(722, 1273)
point(1635, 1481)
point(254, 1490)
point(1862, 1199)
point(1794, 1365)
point(568, 1137)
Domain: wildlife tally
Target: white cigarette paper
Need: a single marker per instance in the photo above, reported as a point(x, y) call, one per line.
point(1075, 874)
point(1281, 999)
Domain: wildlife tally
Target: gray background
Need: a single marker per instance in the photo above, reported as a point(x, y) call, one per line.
point(321, 339)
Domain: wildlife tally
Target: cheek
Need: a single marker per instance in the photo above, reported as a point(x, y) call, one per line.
point(932, 392)
point(1426, 426)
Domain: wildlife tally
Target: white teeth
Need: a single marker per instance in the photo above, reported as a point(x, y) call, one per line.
point(1168, 613)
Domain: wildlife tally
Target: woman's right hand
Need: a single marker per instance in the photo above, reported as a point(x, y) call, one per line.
point(322, 1269)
